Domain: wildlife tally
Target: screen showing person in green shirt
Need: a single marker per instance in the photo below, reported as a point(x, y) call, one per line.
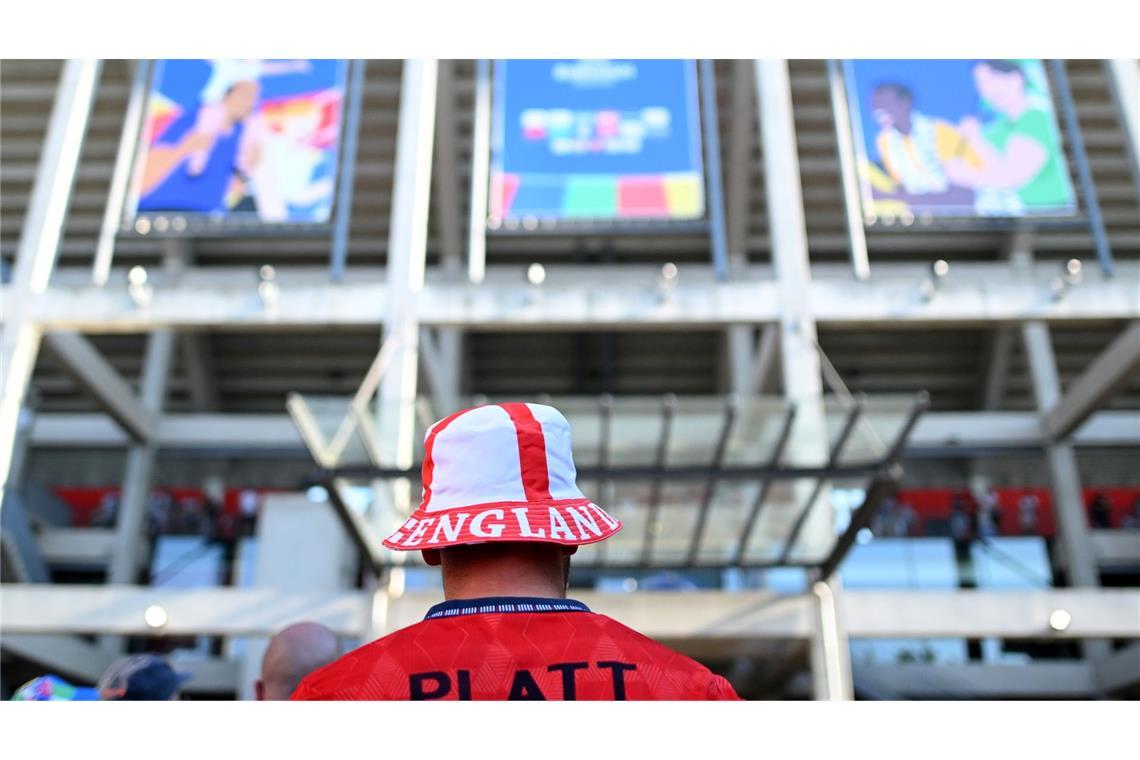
point(1022, 168)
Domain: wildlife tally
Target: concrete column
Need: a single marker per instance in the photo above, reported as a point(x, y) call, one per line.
point(803, 384)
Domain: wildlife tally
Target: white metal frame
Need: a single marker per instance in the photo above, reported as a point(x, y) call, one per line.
point(424, 312)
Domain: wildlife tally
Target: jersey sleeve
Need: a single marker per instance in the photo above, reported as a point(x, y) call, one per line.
point(721, 690)
point(302, 693)
point(310, 690)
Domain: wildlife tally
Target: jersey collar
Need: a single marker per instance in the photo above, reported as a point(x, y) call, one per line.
point(502, 604)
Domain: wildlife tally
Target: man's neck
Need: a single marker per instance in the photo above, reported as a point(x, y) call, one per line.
point(478, 588)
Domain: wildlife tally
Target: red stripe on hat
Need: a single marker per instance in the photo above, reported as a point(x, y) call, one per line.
point(532, 451)
point(429, 463)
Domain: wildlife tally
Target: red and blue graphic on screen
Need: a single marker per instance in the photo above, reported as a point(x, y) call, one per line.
point(233, 136)
point(598, 140)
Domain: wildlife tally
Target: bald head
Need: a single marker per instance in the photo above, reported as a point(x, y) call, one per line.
point(292, 654)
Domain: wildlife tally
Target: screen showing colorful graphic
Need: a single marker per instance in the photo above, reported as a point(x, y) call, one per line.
point(957, 138)
point(247, 139)
point(595, 140)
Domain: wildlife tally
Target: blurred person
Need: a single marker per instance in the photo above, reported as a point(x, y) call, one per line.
point(989, 512)
point(51, 688)
point(501, 516)
point(249, 505)
point(196, 161)
point(158, 508)
point(915, 148)
point(882, 522)
point(1028, 507)
point(141, 677)
point(295, 652)
point(961, 521)
point(1100, 512)
point(1131, 520)
point(107, 513)
point(904, 520)
point(1022, 163)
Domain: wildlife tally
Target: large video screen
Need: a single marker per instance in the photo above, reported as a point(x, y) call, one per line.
point(578, 141)
point(957, 138)
point(240, 140)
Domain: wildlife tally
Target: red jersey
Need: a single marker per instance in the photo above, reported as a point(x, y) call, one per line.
point(514, 648)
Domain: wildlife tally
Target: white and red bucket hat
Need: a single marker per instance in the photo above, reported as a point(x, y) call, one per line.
point(502, 472)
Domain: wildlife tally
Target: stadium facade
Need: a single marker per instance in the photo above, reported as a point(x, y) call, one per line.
point(804, 416)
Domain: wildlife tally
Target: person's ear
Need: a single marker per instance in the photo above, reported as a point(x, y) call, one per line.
point(569, 550)
point(431, 557)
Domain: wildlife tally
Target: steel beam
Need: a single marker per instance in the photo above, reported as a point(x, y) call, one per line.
point(55, 608)
point(480, 174)
point(437, 361)
point(200, 371)
point(1108, 373)
point(1032, 680)
point(937, 434)
point(629, 300)
point(407, 251)
point(121, 176)
point(95, 375)
point(137, 478)
point(751, 368)
point(1096, 613)
point(77, 546)
point(1023, 615)
point(39, 245)
point(446, 177)
point(1068, 502)
point(1124, 82)
point(997, 367)
point(1119, 670)
point(803, 384)
point(740, 165)
point(67, 656)
point(845, 147)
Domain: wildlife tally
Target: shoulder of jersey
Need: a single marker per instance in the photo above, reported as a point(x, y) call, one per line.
point(339, 677)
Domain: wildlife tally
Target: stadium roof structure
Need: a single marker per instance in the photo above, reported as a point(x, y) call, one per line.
point(701, 482)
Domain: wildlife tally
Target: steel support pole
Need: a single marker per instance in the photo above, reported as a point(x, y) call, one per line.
point(346, 183)
point(1068, 503)
point(710, 122)
point(1124, 82)
point(407, 249)
point(121, 176)
point(140, 462)
point(739, 178)
point(480, 174)
point(830, 658)
point(852, 201)
point(39, 244)
point(803, 383)
point(1084, 172)
point(138, 475)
